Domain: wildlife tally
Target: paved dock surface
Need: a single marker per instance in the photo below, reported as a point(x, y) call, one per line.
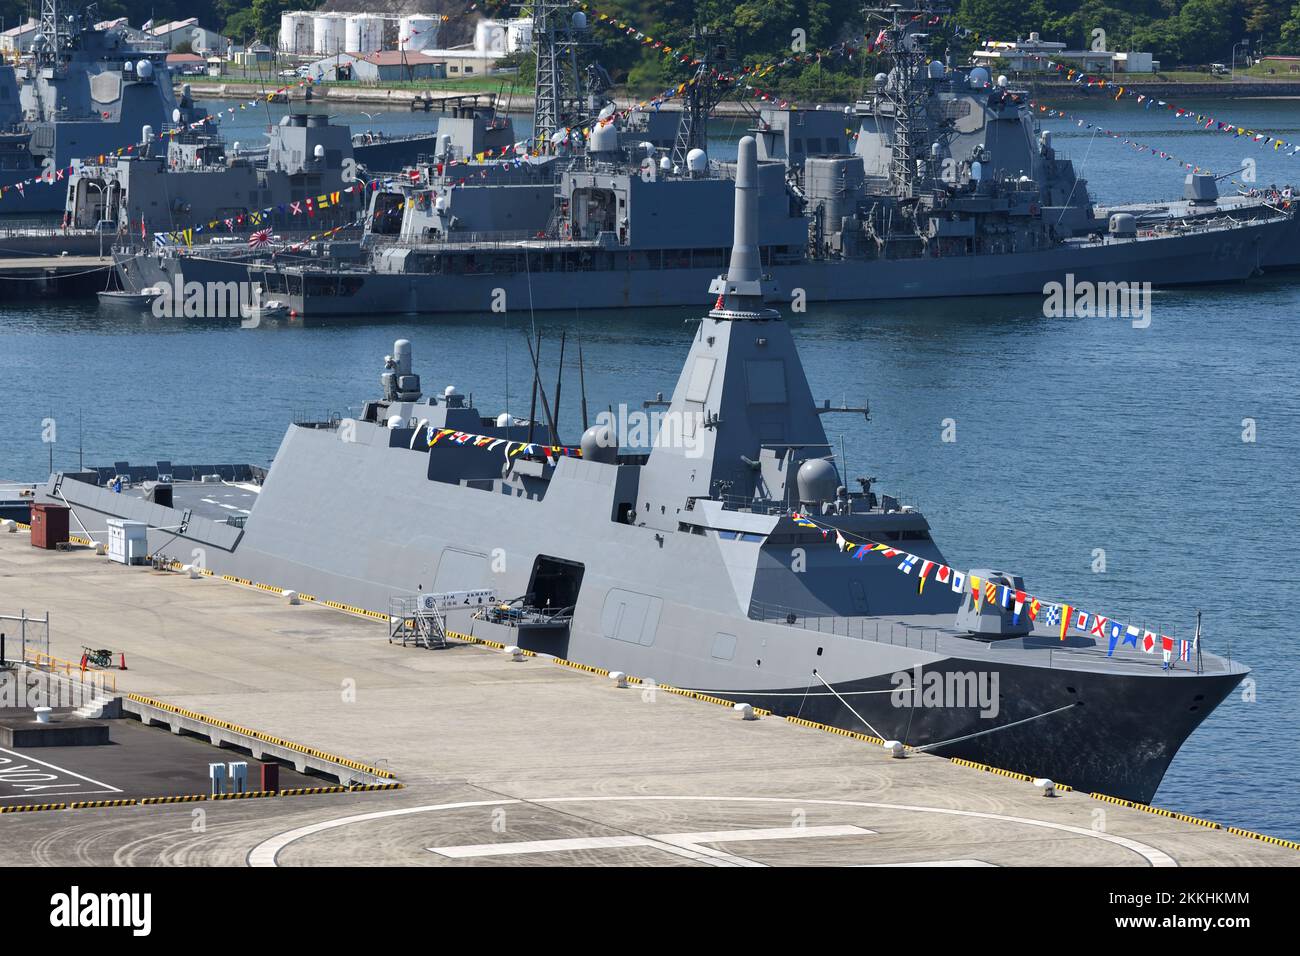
point(31, 265)
point(522, 763)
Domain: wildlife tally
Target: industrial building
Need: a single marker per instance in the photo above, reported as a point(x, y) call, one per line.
point(1034, 54)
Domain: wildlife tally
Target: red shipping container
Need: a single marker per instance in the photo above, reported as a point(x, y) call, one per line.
point(49, 525)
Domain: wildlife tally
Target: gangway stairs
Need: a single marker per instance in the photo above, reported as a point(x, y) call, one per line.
point(420, 619)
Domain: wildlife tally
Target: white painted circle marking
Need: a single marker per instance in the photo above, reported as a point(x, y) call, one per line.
point(265, 853)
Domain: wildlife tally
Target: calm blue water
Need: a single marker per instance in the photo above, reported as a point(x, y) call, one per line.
point(1072, 434)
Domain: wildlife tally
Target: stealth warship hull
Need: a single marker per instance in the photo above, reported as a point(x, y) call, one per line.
point(730, 559)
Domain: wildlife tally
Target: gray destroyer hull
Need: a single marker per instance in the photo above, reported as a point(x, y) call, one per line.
point(1221, 255)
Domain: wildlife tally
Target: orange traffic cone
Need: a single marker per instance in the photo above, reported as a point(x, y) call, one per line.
point(122, 666)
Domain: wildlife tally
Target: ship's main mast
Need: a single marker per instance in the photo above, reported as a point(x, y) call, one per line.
point(903, 29)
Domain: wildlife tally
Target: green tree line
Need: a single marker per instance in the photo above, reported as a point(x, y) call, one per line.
point(1178, 32)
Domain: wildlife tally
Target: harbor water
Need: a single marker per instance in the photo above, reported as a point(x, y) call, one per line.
point(1141, 473)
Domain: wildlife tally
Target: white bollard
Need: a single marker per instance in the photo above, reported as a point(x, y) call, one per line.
point(746, 711)
point(290, 597)
point(895, 749)
point(1046, 785)
point(8, 525)
point(619, 678)
point(192, 571)
point(515, 653)
point(42, 714)
point(101, 548)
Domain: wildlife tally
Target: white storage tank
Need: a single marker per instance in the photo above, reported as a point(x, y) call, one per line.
point(296, 32)
point(128, 541)
point(328, 34)
point(364, 33)
point(417, 33)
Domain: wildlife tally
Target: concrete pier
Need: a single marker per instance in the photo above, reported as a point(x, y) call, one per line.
point(529, 763)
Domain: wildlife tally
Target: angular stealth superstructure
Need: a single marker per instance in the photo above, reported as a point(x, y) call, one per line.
point(714, 562)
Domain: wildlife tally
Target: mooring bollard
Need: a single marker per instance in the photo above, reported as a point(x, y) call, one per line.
point(515, 653)
point(619, 678)
point(1046, 785)
point(746, 711)
point(291, 597)
point(895, 749)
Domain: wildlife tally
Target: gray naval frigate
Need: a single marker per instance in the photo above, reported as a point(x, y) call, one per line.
point(85, 92)
point(713, 562)
point(946, 188)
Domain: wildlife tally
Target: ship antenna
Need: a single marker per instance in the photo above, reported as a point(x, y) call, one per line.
point(582, 381)
point(532, 406)
point(559, 382)
point(537, 382)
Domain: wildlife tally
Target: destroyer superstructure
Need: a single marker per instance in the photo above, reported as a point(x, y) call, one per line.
point(85, 92)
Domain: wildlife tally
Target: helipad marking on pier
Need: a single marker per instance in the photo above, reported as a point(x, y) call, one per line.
point(265, 853)
point(688, 845)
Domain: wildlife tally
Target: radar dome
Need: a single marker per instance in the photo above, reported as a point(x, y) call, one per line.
point(319, 151)
point(697, 160)
point(440, 204)
point(503, 420)
point(144, 69)
point(606, 111)
point(881, 79)
point(579, 21)
point(176, 116)
point(817, 481)
point(598, 444)
point(1002, 81)
point(146, 134)
point(936, 69)
point(665, 164)
point(979, 77)
point(604, 138)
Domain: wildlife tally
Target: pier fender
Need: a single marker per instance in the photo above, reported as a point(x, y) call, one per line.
point(1047, 786)
point(746, 711)
point(895, 749)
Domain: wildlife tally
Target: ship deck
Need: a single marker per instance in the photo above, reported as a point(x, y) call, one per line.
point(522, 763)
